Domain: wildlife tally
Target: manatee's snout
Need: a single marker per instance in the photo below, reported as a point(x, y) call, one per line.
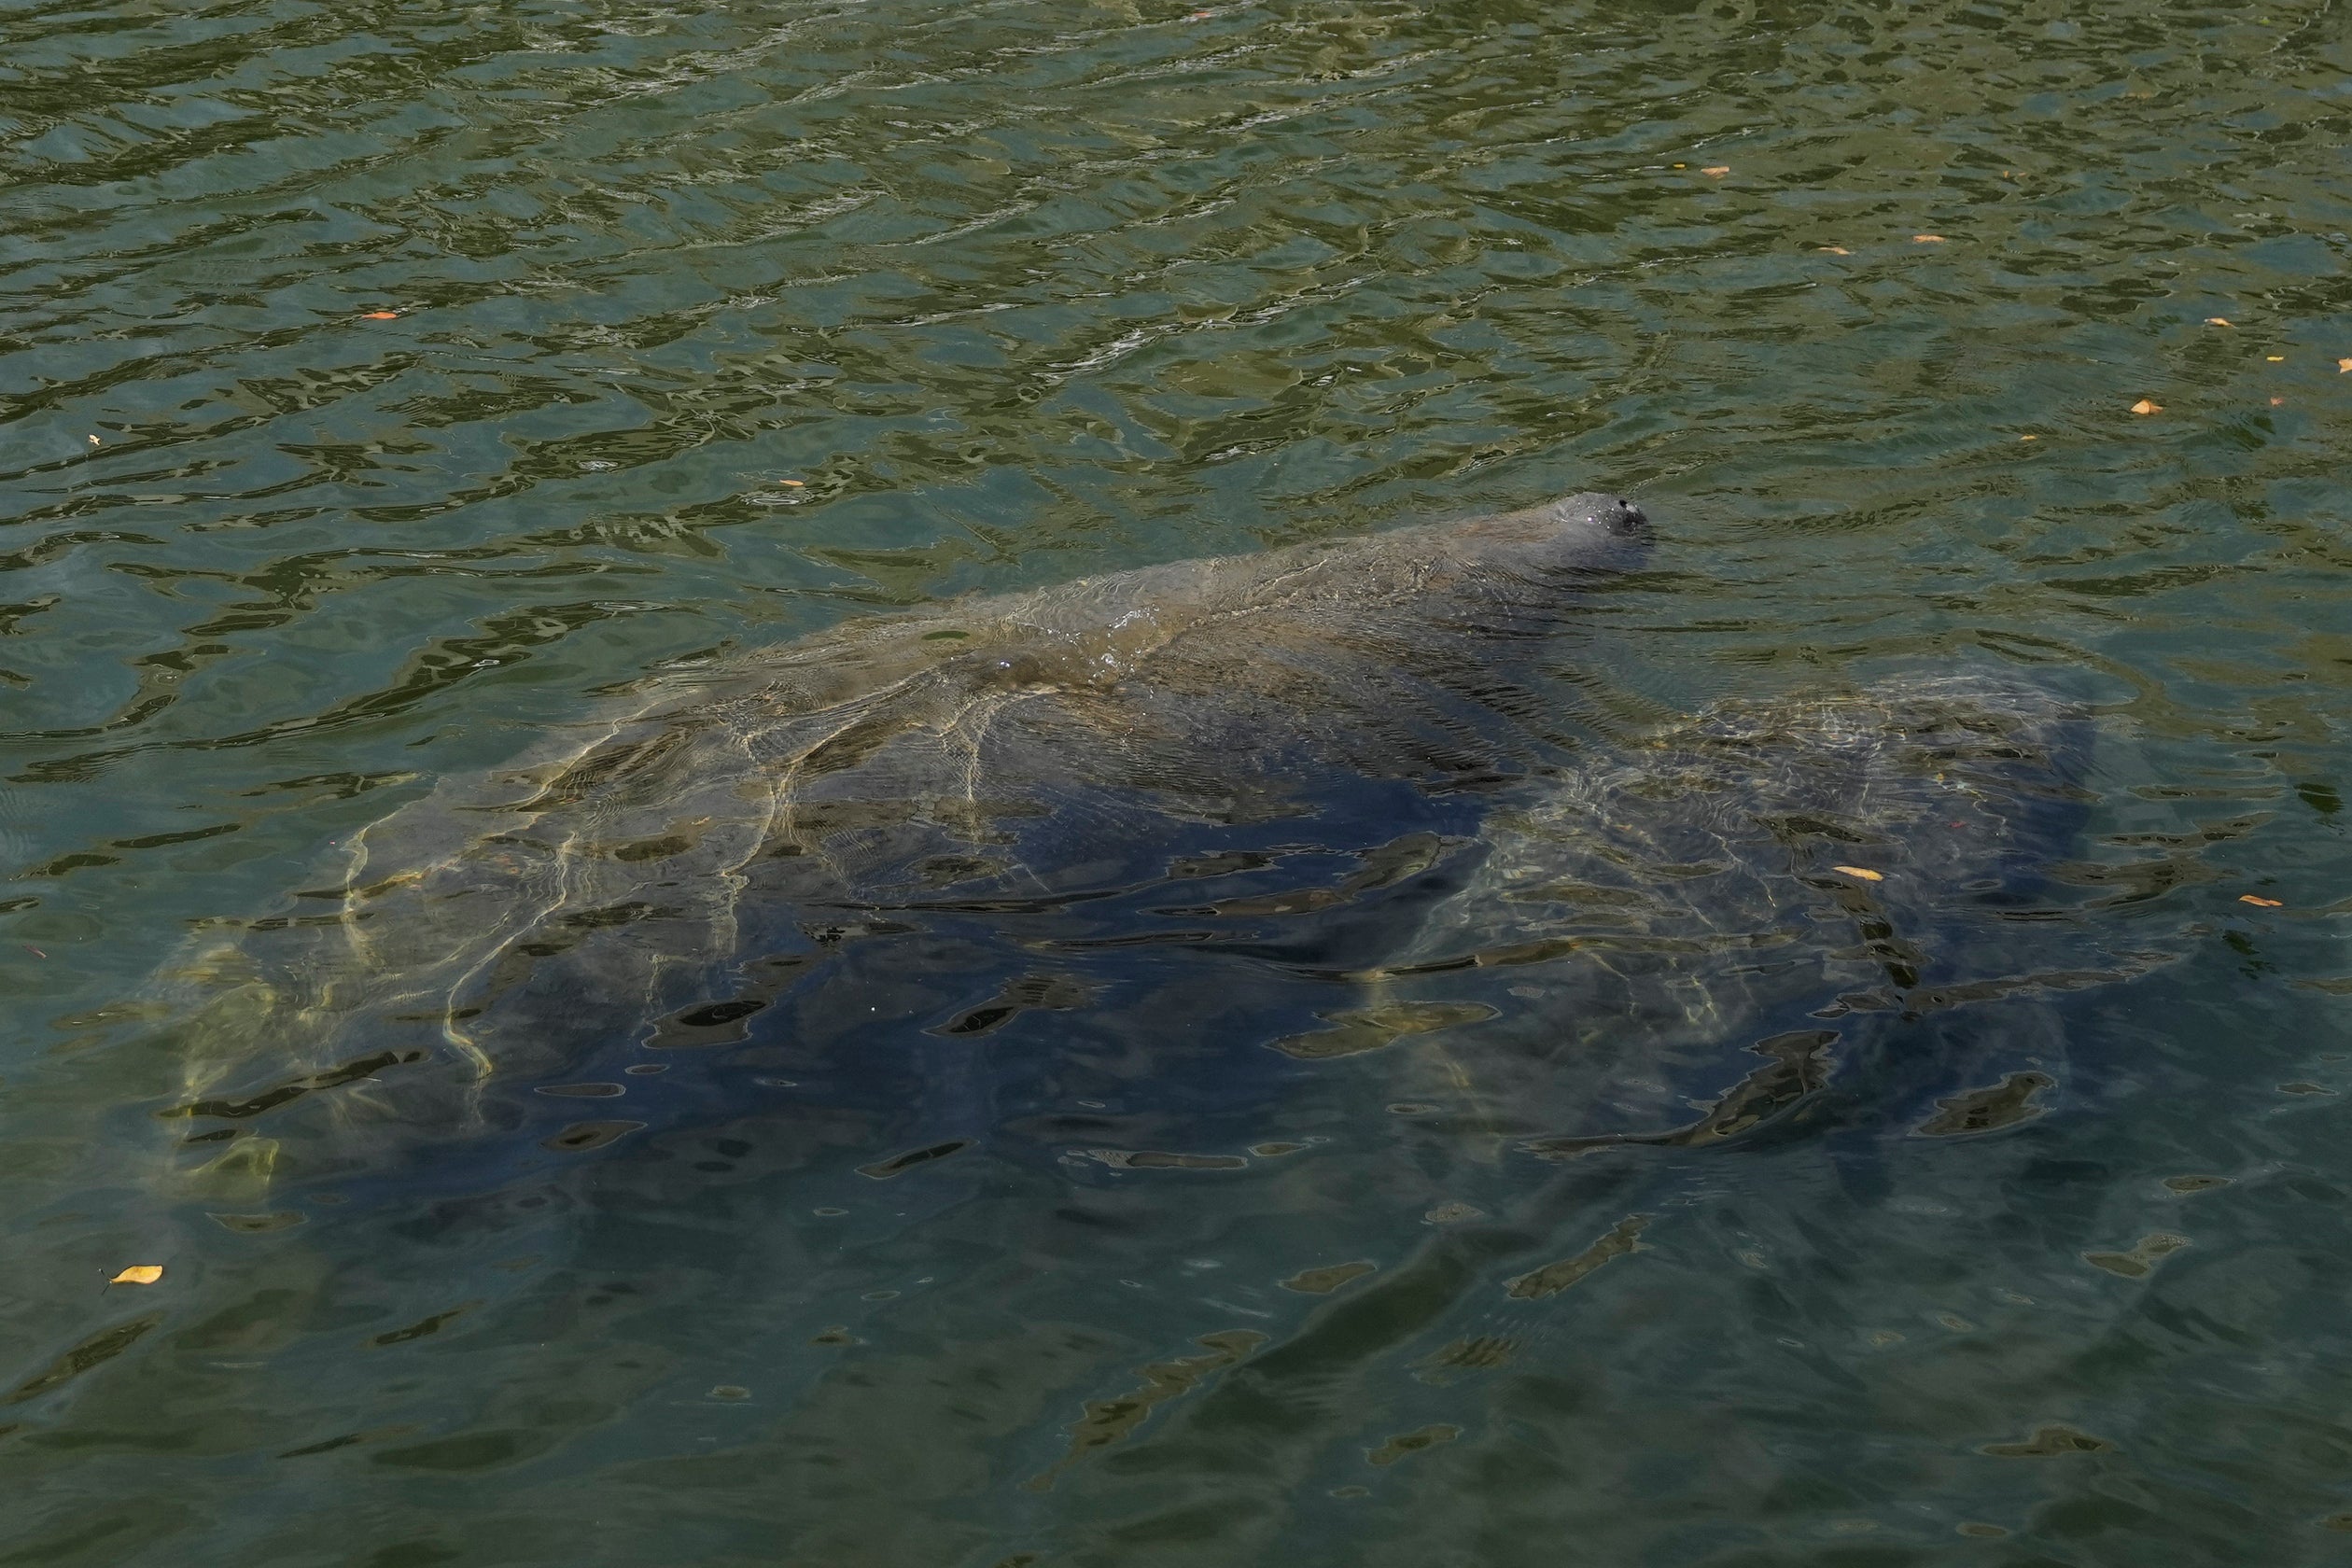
point(1611, 515)
point(1590, 532)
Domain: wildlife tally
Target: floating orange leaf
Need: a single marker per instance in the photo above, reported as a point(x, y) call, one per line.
point(139, 1274)
point(2276, 403)
point(2148, 405)
point(1718, 170)
point(2029, 438)
point(2217, 321)
point(380, 315)
point(1837, 250)
point(795, 484)
point(2261, 902)
point(1927, 239)
point(2342, 366)
point(1863, 871)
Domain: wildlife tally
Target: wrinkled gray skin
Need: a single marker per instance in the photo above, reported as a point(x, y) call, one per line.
point(992, 746)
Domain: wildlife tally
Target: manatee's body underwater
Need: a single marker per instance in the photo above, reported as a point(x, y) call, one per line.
point(1771, 875)
point(987, 871)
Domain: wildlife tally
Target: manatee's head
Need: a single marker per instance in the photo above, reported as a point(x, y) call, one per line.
point(1596, 512)
point(1586, 532)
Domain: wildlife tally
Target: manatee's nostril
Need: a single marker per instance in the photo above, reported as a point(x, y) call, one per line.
point(1628, 516)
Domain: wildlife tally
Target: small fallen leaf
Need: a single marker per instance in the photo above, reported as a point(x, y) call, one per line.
point(35, 951)
point(2259, 902)
point(2344, 367)
point(1837, 250)
point(795, 484)
point(1718, 172)
point(2276, 403)
point(2148, 405)
point(2276, 358)
point(139, 1274)
point(94, 441)
point(2029, 438)
point(1927, 239)
point(2217, 321)
point(1863, 871)
point(380, 315)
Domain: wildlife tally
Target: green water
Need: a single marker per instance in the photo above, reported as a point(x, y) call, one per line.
point(710, 327)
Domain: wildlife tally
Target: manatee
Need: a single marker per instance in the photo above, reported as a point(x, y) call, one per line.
point(1740, 890)
point(935, 880)
point(660, 874)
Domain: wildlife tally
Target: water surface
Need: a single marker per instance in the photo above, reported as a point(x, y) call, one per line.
point(381, 384)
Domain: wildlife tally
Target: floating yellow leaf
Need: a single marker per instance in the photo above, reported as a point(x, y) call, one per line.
point(1927, 239)
point(2217, 321)
point(795, 484)
point(1718, 170)
point(1865, 873)
point(2276, 358)
point(2259, 902)
point(2148, 405)
point(2344, 366)
point(380, 315)
point(139, 1274)
point(2029, 438)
